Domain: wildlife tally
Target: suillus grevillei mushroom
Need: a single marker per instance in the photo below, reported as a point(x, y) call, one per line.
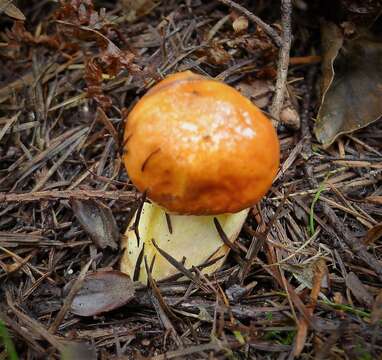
point(199, 150)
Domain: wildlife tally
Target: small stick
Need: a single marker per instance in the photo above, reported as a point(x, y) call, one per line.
point(272, 33)
point(66, 194)
point(283, 62)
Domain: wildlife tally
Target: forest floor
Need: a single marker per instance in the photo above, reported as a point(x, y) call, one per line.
point(307, 278)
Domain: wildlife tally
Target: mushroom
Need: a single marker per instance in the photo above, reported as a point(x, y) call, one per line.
point(203, 154)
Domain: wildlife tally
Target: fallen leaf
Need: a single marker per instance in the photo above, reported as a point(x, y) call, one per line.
point(110, 61)
point(352, 77)
point(78, 21)
point(78, 13)
point(102, 291)
point(93, 78)
point(332, 41)
point(373, 234)
point(358, 289)
point(258, 91)
point(11, 10)
point(98, 221)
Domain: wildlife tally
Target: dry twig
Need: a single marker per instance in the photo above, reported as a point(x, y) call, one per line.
point(67, 194)
point(283, 63)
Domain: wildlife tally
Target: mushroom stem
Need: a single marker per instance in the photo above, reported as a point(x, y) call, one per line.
point(189, 238)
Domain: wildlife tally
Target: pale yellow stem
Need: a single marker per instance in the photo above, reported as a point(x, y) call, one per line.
point(193, 237)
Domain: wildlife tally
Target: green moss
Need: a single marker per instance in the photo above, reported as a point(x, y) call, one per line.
point(281, 337)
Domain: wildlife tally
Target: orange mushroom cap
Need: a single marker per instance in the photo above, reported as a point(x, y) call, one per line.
point(197, 146)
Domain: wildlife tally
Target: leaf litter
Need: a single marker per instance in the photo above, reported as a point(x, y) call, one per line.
point(98, 221)
point(69, 75)
point(352, 74)
point(101, 292)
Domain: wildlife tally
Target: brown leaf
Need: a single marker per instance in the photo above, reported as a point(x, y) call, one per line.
point(110, 61)
point(258, 91)
point(113, 59)
point(98, 221)
point(78, 12)
point(352, 73)
point(358, 289)
point(77, 21)
point(93, 78)
point(331, 43)
point(102, 291)
point(373, 234)
point(11, 10)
